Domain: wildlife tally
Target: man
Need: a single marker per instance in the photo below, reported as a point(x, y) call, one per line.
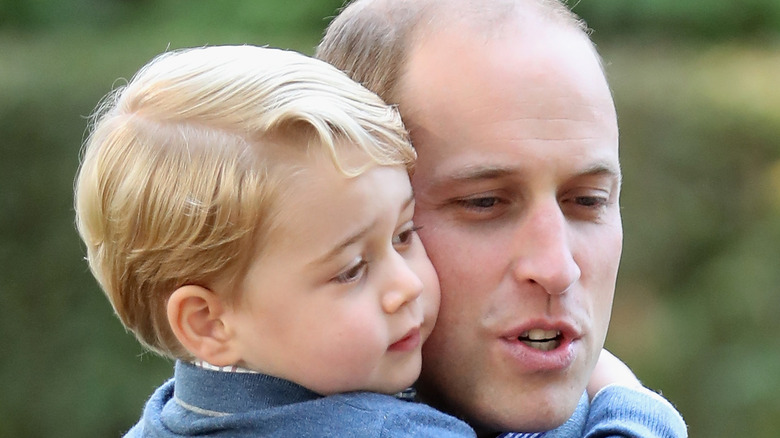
point(517, 186)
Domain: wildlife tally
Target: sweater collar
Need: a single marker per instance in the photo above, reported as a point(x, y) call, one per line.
point(229, 392)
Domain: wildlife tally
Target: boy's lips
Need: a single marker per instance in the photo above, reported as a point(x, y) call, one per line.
point(410, 341)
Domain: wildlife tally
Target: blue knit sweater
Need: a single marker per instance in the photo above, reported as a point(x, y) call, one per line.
point(205, 403)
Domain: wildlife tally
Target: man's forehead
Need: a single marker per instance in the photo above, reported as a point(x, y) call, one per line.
point(515, 64)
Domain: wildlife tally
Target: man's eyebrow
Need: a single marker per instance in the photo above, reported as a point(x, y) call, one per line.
point(492, 172)
point(483, 172)
point(603, 169)
point(355, 237)
point(474, 173)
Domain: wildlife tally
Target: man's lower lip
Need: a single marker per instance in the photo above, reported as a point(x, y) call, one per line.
point(408, 343)
point(530, 359)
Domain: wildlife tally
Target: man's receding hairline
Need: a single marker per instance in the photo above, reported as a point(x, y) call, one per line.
point(479, 16)
point(486, 17)
point(491, 20)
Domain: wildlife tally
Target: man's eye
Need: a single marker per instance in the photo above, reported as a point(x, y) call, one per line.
point(591, 201)
point(352, 274)
point(479, 203)
point(587, 208)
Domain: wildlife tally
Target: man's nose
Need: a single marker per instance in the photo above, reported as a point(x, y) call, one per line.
point(543, 249)
point(402, 284)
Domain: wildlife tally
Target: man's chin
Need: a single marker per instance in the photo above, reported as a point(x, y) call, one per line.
point(541, 414)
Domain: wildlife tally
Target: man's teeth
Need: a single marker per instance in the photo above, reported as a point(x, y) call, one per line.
point(540, 335)
point(544, 340)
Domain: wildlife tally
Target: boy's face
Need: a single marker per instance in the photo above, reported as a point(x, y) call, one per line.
point(344, 295)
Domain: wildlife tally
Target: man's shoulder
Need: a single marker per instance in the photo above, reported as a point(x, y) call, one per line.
point(383, 403)
point(403, 417)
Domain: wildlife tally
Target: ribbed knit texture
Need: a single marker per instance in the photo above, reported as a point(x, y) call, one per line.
point(206, 403)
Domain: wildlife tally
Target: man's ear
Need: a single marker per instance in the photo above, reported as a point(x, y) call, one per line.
point(195, 315)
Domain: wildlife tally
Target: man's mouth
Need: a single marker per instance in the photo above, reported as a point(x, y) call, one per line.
point(544, 340)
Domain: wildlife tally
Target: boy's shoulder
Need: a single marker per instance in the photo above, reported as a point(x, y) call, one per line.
point(199, 402)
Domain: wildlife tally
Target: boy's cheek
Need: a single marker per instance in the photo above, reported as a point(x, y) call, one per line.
point(430, 305)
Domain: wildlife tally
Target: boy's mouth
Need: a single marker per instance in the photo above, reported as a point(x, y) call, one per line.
point(544, 340)
point(409, 342)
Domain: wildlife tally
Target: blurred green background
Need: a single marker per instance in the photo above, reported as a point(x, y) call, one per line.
point(696, 311)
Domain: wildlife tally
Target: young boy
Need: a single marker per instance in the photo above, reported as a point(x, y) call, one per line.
point(248, 212)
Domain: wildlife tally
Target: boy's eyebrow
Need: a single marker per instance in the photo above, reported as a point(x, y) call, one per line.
point(351, 239)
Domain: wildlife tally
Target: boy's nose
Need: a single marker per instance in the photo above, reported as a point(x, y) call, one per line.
point(403, 285)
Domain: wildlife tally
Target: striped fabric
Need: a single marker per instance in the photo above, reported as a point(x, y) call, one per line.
point(226, 369)
point(521, 435)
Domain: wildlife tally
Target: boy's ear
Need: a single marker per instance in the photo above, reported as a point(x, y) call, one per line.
point(195, 315)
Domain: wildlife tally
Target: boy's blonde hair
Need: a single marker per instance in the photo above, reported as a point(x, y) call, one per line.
point(185, 166)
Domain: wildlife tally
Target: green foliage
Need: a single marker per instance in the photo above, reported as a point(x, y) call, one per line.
point(709, 19)
point(41, 14)
point(697, 295)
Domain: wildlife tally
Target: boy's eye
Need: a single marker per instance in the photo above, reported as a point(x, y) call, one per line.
point(405, 237)
point(353, 273)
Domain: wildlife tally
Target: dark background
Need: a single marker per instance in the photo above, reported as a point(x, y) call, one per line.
point(696, 311)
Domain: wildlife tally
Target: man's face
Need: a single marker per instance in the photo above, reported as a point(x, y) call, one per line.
point(517, 187)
